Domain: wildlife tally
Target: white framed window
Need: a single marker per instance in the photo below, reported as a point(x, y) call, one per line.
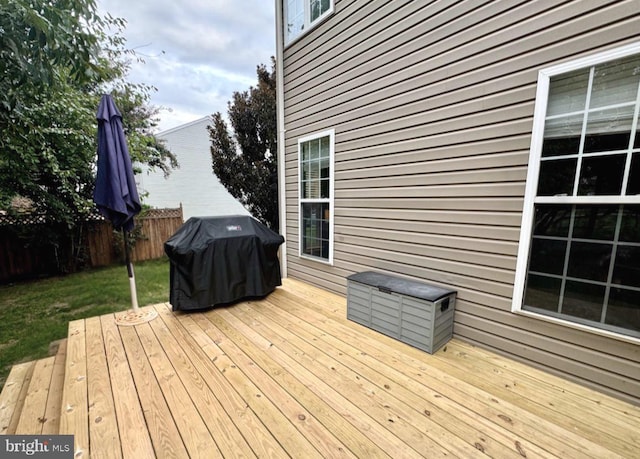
point(302, 15)
point(579, 254)
point(315, 185)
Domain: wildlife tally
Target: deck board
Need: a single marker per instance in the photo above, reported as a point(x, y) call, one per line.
point(399, 418)
point(440, 414)
point(51, 421)
point(206, 352)
point(74, 413)
point(193, 430)
point(135, 440)
point(13, 395)
point(254, 386)
point(521, 417)
point(290, 376)
point(565, 408)
point(162, 428)
point(226, 435)
point(32, 416)
point(103, 424)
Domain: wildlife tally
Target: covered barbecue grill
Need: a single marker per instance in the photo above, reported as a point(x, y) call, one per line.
point(217, 260)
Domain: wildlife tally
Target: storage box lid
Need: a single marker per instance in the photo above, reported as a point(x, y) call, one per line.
point(386, 282)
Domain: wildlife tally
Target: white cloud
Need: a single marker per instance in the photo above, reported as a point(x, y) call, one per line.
point(196, 52)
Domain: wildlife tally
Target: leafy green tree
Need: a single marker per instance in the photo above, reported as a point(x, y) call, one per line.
point(245, 157)
point(57, 58)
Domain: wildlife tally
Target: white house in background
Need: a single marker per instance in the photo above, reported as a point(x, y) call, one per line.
point(193, 184)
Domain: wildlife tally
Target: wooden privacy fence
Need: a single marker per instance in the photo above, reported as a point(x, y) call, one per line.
point(20, 259)
point(155, 227)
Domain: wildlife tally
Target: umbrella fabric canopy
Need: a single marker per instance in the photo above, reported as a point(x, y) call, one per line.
point(115, 194)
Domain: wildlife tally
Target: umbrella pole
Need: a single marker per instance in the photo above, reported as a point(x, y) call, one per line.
point(132, 279)
point(134, 316)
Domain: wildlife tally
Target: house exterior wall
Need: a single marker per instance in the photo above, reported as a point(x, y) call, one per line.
point(193, 184)
point(432, 105)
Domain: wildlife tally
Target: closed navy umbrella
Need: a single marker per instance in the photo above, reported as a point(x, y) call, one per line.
point(115, 194)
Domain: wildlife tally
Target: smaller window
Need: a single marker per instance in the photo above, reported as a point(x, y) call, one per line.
point(315, 163)
point(302, 15)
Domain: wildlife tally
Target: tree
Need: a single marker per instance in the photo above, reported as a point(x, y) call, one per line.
point(57, 58)
point(245, 157)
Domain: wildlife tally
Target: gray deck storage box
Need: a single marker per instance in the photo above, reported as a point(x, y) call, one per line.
point(413, 312)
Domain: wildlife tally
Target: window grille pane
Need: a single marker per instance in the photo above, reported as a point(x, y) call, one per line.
point(602, 175)
point(568, 92)
point(306, 171)
point(542, 292)
point(595, 222)
point(583, 300)
point(295, 18)
point(547, 256)
point(589, 261)
point(315, 10)
point(314, 149)
point(552, 220)
point(633, 185)
point(627, 266)
point(556, 177)
point(324, 146)
point(630, 227)
point(315, 229)
point(623, 309)
point(609, 130)
point(318, 8)
point(616, 82)
point(562, 136)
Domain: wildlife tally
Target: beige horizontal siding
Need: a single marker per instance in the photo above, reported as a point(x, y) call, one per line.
point(399, 217)
point(484, 59)
point(432, 106)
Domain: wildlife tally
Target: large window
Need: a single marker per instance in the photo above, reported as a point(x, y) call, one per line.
point(302, 15)
point(579, 258)
point(315, 163)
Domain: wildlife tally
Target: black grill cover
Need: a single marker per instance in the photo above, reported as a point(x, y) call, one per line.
point(217, 260)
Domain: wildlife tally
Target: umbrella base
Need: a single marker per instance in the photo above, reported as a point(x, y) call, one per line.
point(132, 317)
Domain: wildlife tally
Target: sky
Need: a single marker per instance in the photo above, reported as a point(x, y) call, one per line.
point(196, 52)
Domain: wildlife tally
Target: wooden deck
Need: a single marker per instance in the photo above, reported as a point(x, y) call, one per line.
point(289, 376)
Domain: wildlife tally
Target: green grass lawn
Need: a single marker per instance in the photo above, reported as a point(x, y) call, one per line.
point(35, 313)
